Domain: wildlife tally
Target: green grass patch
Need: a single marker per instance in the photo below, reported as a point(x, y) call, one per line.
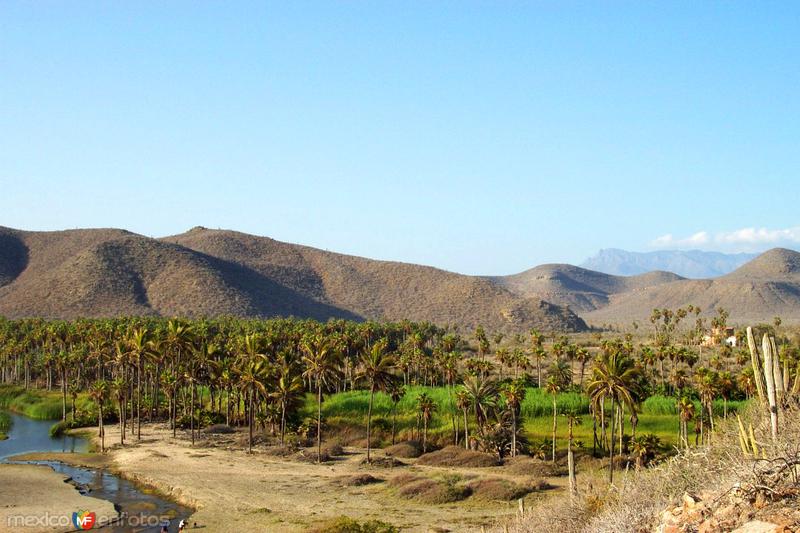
point(39, 404)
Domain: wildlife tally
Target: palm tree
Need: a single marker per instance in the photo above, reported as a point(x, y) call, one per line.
point(514, 394)
point(572, 420)
point(252, 382)
point(396, 392)
point(99, 394)
point(376, 369)
point(554, 386)
point(426, 407)
point(320, 360)
point(288, 392)
point(464, 402)
point(482, 393)
point(614, 377)
point(686, 413)
point(137, 348)
point(120, 387)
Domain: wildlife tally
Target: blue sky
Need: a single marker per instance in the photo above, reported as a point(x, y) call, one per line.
point(481, 137)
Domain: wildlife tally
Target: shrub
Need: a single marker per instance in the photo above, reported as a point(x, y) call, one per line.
point(428, 490)
point(344, 524)
point(494, 489)
point(457, 456)
point(407, 450)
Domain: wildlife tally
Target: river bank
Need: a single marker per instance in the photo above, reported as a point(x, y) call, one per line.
point(36, 498)
point(232, 490)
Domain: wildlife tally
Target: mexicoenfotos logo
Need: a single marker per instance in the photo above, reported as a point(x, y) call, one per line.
point(83, 519)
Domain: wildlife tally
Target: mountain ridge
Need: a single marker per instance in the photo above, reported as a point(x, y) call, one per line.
point(694, 264)
point(111, 272)
point(202, 272)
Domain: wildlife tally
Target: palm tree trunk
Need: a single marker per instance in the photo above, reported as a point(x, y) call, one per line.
point(191, 413)
point(466, 431)
point(102, 430)
point(369, 418)
point(611, 447)
point(513, 432)
point(319, 421)
point(250, 422)
point(394, 422)
point(555, 427)
point(139, 399)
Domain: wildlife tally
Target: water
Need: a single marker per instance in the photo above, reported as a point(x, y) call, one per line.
point(29, 435)
point(138, 506)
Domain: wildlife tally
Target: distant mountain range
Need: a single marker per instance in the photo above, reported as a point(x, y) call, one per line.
point(112, 272)
point(689, 264)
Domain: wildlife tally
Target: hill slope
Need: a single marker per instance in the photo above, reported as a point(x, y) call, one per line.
point(689, 264)
point(767, 286)
point(112, 272)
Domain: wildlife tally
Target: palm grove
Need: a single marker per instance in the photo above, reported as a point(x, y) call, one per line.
point(477, 391)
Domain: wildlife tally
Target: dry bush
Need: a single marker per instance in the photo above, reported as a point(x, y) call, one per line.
point(637, 499)
point(360, 480)
point(428, 490)
point(529, 466)
point(456, 456)
point(382, 462)
point(219, 429)
point(407, 450)
point(496, 489)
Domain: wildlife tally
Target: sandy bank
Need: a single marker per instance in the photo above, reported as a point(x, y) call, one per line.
point(39, 493)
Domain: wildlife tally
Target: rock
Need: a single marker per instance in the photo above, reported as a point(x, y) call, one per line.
point(757, 526)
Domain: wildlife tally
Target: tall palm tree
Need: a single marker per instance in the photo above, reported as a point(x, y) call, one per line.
point(514, 394)
point(482, 393)
point(252, 382)
point(686, 413)
point(99, 394)
point(136, 341)
point(426, 407)
point(396, 392)
point(614, 377)
point(321, 362)
point(554, 386)
point(572, 420)
point(377, 365)
point(288, 392)
point(464, 402)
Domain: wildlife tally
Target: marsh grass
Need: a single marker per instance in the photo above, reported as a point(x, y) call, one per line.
point(39, 404)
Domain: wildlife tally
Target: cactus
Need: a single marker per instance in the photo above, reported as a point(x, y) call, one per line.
point(747, 441)
point(768, 376)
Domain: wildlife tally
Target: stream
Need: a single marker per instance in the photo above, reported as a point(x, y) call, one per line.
point(141, 509)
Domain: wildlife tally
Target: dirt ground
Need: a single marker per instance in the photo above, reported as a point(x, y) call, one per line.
point(43, 495)
point(232, 490)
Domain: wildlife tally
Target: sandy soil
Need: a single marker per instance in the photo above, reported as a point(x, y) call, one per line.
point(38, 491)
point(235, 491)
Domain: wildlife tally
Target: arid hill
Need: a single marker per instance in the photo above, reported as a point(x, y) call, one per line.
point(581, 289)
point(109, 272)
point(766, 287)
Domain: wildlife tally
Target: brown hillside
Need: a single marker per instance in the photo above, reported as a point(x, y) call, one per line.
point(767, 286)
point(382, 289)
point(114, 272)
point(581, 289)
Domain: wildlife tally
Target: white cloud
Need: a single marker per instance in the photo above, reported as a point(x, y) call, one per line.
point(741, 240)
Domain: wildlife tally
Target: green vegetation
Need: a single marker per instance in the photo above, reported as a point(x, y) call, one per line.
point(370, 384)
point(5, 425)
point(36, 403)
point(345, 524)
